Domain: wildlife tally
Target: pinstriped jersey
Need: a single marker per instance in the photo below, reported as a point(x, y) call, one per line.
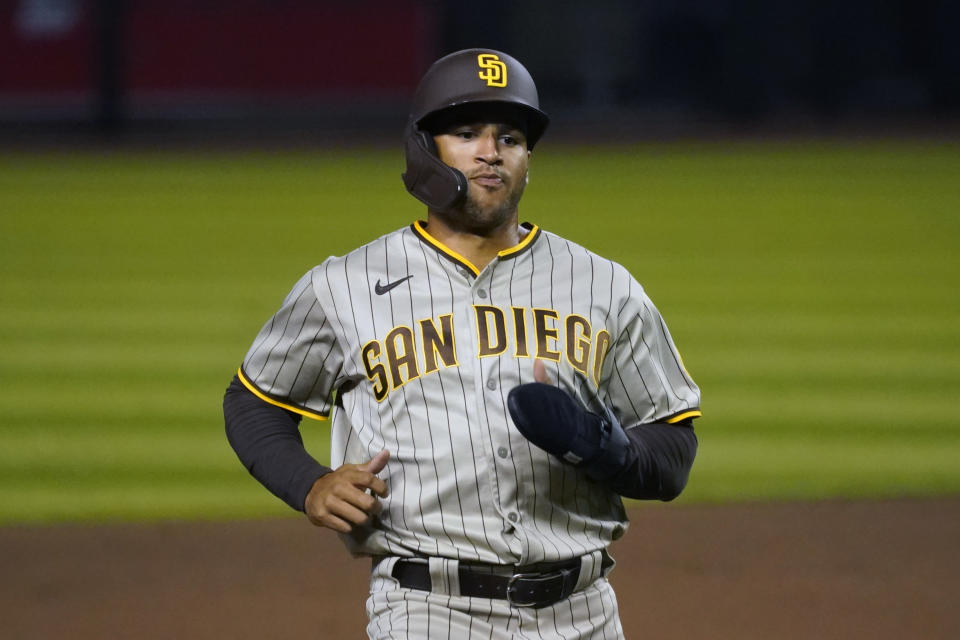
point(406, 346)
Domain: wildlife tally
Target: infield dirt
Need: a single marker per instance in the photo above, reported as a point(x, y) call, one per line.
point(841, 569)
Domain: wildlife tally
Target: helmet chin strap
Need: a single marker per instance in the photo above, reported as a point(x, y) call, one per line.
point(428, 178)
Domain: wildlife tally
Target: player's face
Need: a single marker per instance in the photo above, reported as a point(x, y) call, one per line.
point(495, 160)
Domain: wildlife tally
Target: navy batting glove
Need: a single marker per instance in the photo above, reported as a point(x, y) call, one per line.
point(550, 418)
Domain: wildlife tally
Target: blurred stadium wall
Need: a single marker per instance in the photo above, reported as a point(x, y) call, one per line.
point(350, 65)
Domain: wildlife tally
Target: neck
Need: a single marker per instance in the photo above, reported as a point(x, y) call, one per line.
point(479, 247)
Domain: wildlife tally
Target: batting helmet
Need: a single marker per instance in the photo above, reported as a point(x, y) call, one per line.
point(465, 85)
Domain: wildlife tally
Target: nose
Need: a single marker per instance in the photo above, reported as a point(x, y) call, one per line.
point(488, 148)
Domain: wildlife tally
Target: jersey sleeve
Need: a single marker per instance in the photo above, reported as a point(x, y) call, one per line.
point(648, 381)
point(295, 359)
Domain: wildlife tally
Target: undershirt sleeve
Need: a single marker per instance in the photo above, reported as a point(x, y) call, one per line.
point(659, 458)
point(267, 440)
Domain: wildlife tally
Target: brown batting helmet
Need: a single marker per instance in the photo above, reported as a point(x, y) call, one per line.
point(465, 85)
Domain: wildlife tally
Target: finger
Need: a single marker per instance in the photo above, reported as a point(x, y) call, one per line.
point(378, 487)
point(360, 480)
point(357, 498)
point(377, 463)
point(540, 372)
point(345, 511)
point(331, 521)
point(320, 516)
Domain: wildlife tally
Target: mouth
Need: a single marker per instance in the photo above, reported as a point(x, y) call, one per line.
point(488, 179)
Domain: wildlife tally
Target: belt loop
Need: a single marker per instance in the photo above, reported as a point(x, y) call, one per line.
point(590, 569)
point(383, 568)
point(445, 576)
point(453, 577)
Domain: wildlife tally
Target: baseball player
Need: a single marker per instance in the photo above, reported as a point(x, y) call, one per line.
point(493, 389)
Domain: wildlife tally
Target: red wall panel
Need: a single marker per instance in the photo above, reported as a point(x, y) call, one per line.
point(296, 48)
point(52, 59)
point(284, 48)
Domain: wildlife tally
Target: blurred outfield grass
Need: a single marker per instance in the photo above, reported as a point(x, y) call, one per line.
point(812, 288)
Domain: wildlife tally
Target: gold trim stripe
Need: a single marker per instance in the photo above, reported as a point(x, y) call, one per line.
point(442, 247)
point(530, 237)
point(680, 417)
point(531, 234)
point(253, 389)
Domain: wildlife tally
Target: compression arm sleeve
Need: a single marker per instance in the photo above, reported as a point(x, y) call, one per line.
point(267, 440)
point(659, 458)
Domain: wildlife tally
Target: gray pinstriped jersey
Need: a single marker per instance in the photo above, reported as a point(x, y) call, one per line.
point(421, 350)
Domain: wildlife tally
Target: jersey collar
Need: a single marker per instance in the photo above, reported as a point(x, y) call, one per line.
point(420, 229)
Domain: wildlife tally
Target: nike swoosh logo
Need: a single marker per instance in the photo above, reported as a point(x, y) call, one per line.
point(381, 289)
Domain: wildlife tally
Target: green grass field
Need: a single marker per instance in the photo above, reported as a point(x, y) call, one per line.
point(811, 287)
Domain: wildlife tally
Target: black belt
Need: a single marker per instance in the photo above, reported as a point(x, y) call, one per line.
point(534, 586)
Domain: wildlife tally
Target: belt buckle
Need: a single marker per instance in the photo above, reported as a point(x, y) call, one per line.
point(510, 585)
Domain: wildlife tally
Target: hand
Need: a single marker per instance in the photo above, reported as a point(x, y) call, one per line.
point(340, 501)
point(550, 418)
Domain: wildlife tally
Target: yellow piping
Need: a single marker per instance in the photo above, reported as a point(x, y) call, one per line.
point(257, 392)
point(444, 248)
point(683, 416)
point(523, 243)
point(453, 254)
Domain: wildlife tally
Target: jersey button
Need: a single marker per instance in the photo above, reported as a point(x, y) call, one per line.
point(481, 293)
point(491, 384)
point(502, 452)
point(513, 516)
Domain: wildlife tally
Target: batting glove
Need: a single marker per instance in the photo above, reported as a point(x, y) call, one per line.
point(551, 419)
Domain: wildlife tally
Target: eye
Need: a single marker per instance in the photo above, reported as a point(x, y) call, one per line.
point(465, 134)
point(509, 140)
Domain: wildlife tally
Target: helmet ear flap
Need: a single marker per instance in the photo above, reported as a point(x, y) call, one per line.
point(428, 178)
